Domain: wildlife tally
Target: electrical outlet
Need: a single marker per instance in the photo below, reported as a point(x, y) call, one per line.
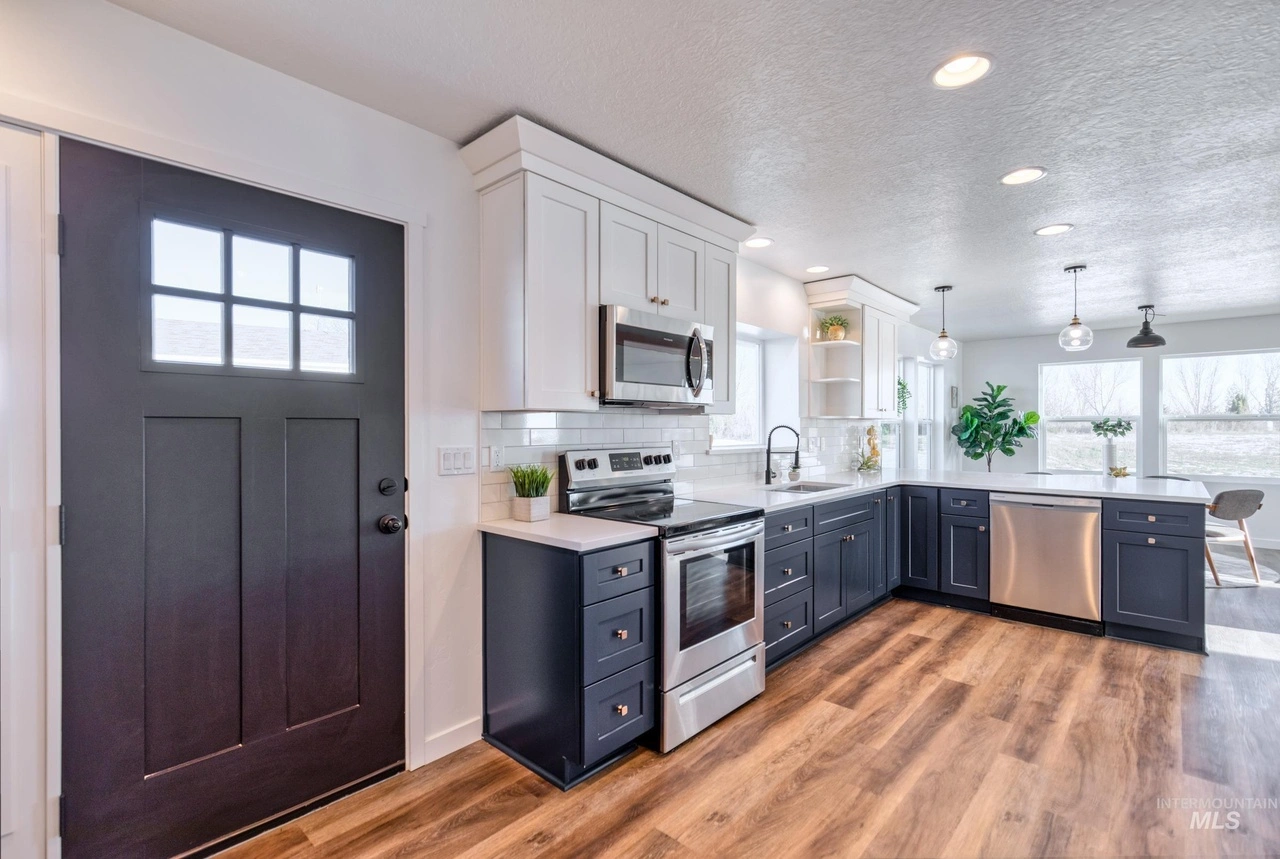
point(675, 449)
point(497, 459)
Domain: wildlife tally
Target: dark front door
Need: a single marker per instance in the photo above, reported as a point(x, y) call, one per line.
point(232, 435)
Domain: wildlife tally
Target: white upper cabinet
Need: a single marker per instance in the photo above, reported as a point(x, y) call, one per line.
point(681, 275)
point(879, 364)
point(721, 281)
point(540, 285)
point(628, 259)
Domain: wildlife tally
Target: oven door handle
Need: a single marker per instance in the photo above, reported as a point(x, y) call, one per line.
point(720, 539)
point(701, 344)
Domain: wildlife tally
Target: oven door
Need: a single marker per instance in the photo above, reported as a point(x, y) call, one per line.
point(646, 358)
point(713, 599)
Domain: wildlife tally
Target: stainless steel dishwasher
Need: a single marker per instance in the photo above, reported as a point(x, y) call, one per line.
point(1046, 557)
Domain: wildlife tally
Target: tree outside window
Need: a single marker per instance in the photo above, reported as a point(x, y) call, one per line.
point(1221, 414)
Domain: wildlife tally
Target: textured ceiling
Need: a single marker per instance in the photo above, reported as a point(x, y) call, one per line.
point(1159, 123)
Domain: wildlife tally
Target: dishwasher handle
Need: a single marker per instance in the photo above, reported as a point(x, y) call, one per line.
point(1049, 502)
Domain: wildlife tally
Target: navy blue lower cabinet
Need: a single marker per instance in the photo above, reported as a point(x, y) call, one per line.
point(918, 560)
point(1153, 588)
point(788, 624)
point(965, 556)
point(892, 542)
point(847, 567)
point(829, 607)
point(569, 654)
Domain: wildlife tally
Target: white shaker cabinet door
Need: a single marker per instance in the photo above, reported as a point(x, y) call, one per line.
point(722, 316)
point(888, 369)
point(628, 259)
point(681, 275)
point(879, 364)
point(562, 296)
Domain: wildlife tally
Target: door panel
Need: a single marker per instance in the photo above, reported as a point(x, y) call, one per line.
point(1153, 582)
point(893, 537)
point(681, 275)
point(860, 557)
point(965, 556)
point(233, 633)
point(628, 259)
point(920, 537)
point(828, 580)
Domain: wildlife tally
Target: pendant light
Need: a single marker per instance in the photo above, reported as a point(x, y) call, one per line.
point(1076, 337)
point(1146, 338)
point(944, 347)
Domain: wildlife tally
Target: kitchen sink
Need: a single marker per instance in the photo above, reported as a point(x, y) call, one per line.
point(805, 486)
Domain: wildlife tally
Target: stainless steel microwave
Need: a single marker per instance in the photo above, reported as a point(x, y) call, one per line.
point(652, 360)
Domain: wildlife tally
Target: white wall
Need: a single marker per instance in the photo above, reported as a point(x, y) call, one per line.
point(93, 70)
point(1016, 362)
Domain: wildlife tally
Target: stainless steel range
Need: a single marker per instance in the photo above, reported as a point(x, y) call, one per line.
point(711, 580)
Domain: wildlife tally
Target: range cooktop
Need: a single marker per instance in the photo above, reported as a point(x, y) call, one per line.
point(675, 517)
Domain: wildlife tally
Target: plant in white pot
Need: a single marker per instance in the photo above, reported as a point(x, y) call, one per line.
point(531, 503)
point(1109, 430)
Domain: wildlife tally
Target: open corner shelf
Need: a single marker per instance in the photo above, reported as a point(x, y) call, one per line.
point(835, 379)
point(829, 343)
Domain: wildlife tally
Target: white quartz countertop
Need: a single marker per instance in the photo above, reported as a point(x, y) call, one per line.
point(852, 482)
point(578, 533)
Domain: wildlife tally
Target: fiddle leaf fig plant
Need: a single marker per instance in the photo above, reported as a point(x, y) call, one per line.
point(991, 425)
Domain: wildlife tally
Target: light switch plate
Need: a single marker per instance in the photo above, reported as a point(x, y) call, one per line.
point(457, 460)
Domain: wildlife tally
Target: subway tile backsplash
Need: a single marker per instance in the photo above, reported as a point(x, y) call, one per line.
point(826, 446)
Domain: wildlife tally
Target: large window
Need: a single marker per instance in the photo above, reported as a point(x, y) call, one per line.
point(743, 428)
point(1221, 414)
point(1072, 397)
point(924, 402)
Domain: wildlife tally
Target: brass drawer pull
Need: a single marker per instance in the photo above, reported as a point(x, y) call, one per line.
point(665, 302)
point(620, 571)
point(787, 529)
point(620, 633)
point(786, 571)
point(1151, 541)
point(964, 503)
point(654, 299)
point(982, 527)
point(786, 624)
point(848, 538)
point(620, 709)
point(1151, 518)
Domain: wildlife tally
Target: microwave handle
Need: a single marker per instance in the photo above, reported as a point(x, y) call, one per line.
point(701, 345)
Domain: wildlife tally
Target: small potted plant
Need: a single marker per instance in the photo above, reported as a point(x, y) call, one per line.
point(531, 503)
point(834, 327)
point(1109, 430)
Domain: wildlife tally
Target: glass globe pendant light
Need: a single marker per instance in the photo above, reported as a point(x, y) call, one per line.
point(1076, 337)
point(944, 347)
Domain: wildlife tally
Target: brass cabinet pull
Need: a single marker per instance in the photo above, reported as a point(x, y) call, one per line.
point(877, 500)
point(786, 624)
point(654, 299)
point(620, 571)
point(1151, 518)
point(964, 503)
point(848, 538)
point(1151, 541)
point(786, 571)
point(665, 302)
point(620, 633)
point(982, 527)
point(787, 529)
point(620, 709)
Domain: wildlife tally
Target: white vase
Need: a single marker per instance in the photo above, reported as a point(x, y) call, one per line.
point(1108, 456)
point(531, 509)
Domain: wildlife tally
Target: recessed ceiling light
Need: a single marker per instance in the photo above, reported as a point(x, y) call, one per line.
point(818, 269)
point(1055, 229)
point(758, 242)
point(1023, 175)
point(961, 70)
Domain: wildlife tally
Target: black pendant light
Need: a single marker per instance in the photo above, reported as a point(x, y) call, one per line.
point(1146, 338)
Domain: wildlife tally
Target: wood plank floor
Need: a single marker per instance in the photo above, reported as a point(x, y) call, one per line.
point(916, 731)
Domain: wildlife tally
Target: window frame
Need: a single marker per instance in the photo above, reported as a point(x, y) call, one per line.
point(926, 411)
point(1042, 432)
point(230, 228)
point(717, 444)
point(1165, 419)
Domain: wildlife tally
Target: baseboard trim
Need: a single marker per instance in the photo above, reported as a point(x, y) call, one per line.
point(449, 740)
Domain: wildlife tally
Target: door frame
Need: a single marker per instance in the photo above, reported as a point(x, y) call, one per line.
point(45, 351)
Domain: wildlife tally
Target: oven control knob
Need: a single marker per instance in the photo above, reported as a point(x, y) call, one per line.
point(593, 463)
point(648, 460)
point(580, 464)
point(666, 458)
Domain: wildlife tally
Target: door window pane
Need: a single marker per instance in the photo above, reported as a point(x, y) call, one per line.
point(260, 269)
point(186, 257)
point(261, 337)
point(325, 280)
point(325, 343)
point(186, 330)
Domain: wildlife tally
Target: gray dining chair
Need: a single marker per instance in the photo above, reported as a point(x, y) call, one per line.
point(1049, 473)
point(1166, 477)
point(1233, 505)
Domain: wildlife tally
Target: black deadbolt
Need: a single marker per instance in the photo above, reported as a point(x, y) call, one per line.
point(387, 486)
point(390, 524)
